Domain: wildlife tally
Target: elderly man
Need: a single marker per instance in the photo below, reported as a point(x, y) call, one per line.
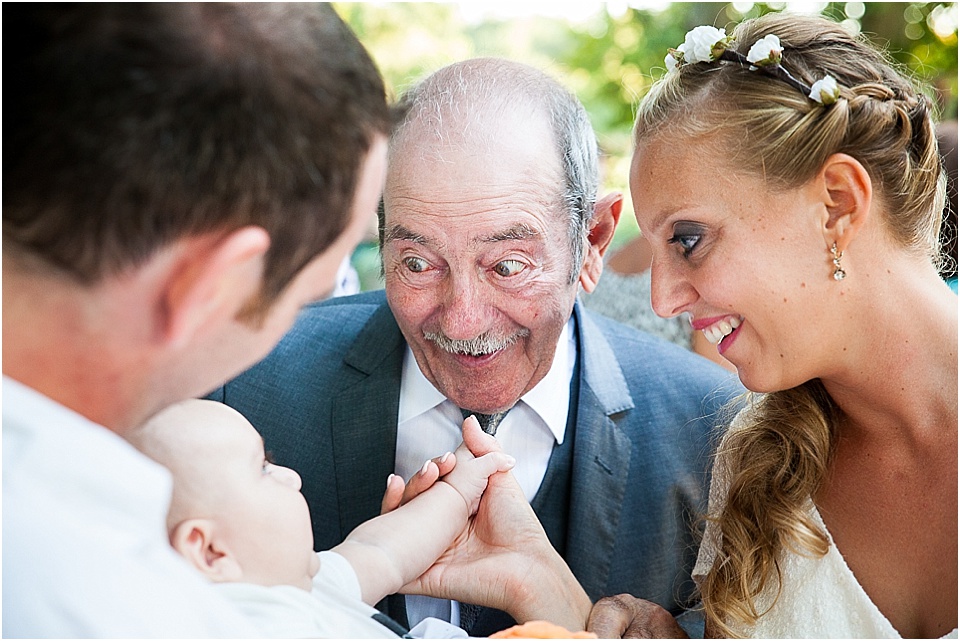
point(490, 225)
point(178, 181)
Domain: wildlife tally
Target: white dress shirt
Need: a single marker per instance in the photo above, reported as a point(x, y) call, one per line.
point(428, 425)
point(85, 548)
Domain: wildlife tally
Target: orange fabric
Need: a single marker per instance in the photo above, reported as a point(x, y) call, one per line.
point(540, 630)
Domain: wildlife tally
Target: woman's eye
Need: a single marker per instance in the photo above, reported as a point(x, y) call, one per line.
point(415, 264)
point(687, 237)
point(508, 267)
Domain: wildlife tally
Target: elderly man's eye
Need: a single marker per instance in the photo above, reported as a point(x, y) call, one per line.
point(415, 264)
point(508, 267)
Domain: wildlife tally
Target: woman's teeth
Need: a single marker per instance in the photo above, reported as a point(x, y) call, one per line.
point(717, 331)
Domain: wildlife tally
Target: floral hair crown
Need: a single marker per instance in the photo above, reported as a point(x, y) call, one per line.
point(707, 44)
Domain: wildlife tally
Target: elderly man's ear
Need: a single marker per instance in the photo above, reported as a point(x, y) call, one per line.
point(606, 215)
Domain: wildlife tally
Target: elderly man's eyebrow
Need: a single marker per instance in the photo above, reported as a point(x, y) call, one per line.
point(399, 232)
point(517, 232)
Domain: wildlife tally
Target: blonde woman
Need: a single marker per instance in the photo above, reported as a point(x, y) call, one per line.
point(788, 180)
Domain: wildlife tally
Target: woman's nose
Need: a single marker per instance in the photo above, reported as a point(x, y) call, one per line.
point(670, 293)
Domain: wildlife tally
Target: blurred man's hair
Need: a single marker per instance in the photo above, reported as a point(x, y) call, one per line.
point(129, 126)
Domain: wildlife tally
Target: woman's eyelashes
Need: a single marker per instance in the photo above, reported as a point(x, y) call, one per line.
point(687, 236)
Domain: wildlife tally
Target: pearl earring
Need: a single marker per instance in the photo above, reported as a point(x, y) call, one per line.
point(838, 273)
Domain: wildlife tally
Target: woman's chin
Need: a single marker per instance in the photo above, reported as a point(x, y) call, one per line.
point(756, 380)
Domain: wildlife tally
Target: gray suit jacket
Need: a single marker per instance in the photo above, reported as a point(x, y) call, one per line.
point(326, 402)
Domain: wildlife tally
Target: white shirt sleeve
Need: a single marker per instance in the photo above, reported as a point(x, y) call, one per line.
point(338, 575)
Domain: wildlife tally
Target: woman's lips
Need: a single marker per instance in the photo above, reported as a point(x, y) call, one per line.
point(719, 330)
point(728, 340)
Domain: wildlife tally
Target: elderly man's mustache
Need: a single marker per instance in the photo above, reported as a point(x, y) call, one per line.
point(486, 343)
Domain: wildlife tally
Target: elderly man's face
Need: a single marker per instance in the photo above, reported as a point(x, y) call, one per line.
point(477, 260)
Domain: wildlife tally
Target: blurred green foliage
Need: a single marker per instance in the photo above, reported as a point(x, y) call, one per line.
point(610, 54)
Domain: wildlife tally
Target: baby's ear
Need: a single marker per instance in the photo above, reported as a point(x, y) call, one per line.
point(197, 541)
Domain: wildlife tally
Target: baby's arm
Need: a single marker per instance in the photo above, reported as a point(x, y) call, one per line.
point(391, 550)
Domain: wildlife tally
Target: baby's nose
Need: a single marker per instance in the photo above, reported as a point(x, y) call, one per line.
point(288, 477)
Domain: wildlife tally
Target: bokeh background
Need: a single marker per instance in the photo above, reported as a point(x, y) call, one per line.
point(609, 53)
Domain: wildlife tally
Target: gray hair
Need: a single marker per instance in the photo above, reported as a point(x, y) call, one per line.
point(465, 91)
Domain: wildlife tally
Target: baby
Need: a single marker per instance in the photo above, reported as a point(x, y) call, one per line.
point(242, 522)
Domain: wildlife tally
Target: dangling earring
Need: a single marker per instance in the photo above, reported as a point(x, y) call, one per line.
point(838, 273)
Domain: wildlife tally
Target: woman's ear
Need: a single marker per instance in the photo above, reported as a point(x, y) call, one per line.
point(847, 192)
point(198, 542)
point(606, 215)
point(210, 281)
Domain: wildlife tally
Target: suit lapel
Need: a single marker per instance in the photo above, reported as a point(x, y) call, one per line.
point(364, 419)
point(601, 459)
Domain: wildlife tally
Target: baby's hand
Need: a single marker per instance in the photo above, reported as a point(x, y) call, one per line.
point(398, 493)
point(470, 475)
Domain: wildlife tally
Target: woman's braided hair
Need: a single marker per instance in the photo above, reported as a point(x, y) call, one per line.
point(776, 457)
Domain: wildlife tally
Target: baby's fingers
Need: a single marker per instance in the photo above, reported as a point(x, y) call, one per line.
point(393, 495)
point(494, 462)
point(445, 463)
point(476, 440)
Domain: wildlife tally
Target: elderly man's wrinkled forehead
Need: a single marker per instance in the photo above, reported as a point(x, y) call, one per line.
point(475, 105)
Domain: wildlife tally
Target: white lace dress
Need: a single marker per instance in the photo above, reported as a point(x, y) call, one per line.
point(821, 598)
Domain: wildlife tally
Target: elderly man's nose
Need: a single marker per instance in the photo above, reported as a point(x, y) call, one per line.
point(464, 310)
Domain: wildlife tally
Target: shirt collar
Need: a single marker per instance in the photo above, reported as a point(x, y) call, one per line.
point(550, 398)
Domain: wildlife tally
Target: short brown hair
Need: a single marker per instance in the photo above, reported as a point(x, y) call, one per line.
point(134, 125)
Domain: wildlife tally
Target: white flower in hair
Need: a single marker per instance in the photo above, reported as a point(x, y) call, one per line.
point(703, 44)
point(674, 59)
point(825, 91)
point(766, 51)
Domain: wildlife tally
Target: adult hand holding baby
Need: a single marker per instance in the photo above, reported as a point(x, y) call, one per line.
point(502, 559)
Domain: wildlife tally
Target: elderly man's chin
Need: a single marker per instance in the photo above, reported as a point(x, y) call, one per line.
point(488, 383)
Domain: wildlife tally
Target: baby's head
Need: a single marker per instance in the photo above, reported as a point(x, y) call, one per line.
point(235, 516)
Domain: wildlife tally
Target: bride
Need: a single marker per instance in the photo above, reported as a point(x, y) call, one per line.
point(788, 180)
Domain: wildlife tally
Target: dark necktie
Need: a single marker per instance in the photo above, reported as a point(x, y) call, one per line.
point(488, 422)
point(469, 613)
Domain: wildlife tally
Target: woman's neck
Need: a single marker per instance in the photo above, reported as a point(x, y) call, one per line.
point(899, 379)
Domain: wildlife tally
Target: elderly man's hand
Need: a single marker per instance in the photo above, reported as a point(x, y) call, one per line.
point(503, 558)
point(627, 617)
